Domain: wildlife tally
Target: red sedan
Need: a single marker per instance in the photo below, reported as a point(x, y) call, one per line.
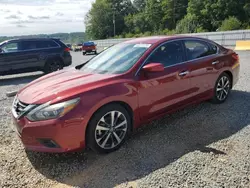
point(97, 104)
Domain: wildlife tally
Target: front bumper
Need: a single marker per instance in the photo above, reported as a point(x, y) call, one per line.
point(66, 135)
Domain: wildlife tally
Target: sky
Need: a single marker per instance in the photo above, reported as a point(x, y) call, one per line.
point(25, 17)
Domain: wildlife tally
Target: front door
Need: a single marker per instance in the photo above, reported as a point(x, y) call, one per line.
point(9, 55)
point(163, 91)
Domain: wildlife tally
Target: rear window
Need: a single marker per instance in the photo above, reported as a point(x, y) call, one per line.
point(196, 49)
point(88, 44)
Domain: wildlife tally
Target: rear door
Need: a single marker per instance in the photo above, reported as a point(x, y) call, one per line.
point(202, 58)
point(49, 49)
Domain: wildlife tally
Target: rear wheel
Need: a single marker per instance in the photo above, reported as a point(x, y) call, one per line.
point(222, 88)
point(53, 65)
point(108, 128)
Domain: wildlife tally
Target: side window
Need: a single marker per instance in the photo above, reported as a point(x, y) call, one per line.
point(168, 54)
point(196, 49)
point(46, 44)
point(213, 49)
point(52, 44)
point(11, 47)
point(29, 45)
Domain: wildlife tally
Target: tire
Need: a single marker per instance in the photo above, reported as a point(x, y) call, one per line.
point(222, 89)
point(102, 137)
point(84, 53)
point(53, 65)
point(95, 52)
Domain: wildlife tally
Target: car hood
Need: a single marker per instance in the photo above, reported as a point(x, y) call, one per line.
point(60, 85)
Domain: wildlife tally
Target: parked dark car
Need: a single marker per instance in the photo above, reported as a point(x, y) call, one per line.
point(99, 103)
point(27, 55)
point(89, 47)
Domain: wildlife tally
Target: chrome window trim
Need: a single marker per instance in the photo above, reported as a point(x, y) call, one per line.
point(182, 39)
point(58, 46)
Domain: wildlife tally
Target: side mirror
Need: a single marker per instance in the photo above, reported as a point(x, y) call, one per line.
point(153, 67)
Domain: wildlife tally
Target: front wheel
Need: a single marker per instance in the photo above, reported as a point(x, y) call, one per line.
point(222, 88)
point(108, 129)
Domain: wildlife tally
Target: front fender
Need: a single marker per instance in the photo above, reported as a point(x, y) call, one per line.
point(93, 100)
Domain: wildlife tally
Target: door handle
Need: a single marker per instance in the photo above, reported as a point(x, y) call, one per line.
point(215, 62)
point(184, 73)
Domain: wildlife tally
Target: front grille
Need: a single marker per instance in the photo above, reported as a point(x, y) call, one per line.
point(19, 107)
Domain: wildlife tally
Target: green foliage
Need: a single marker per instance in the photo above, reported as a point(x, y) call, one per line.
point(164, 17)
point(212, 13)
point(187, 25)
point(231, 23)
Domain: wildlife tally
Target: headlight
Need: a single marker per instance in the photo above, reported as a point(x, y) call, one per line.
point(47, 111)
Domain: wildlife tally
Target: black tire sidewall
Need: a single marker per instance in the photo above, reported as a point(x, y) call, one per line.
point(90, 133)
point(47, 69)
point(215, 99)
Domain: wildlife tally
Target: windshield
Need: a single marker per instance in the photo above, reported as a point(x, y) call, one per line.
point(116, 60)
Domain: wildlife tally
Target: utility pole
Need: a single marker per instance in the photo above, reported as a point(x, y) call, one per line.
point(114, 22)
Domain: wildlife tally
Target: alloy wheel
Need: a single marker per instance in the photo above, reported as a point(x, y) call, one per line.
point(223, 88)
point(54, 66)
point(111, 130)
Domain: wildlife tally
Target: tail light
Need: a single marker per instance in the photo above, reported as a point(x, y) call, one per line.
point(67, 49)
point(236, 57)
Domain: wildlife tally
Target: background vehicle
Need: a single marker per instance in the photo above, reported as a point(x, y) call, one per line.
point(89, 47)
point(36, 54)
point(69, 46)
point(77, 47)
point(98, 104)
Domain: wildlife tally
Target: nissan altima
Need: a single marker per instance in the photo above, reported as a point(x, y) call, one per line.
point(99, 103)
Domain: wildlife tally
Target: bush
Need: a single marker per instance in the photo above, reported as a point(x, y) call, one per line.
point(201, 30)
point(188, 24)
point(148, 33)
point(231, 23)
point(129, 35)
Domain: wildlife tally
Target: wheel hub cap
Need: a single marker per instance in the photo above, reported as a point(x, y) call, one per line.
point(223, 88)
point(111, 130)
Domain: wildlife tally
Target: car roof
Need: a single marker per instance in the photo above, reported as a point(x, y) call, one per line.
point(22, 39)
point(158, 39)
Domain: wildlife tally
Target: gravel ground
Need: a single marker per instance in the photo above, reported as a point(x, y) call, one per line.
point(201, 146)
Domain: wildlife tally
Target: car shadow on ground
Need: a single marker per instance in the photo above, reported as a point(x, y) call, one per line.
point(19, 79)
point(152, 147)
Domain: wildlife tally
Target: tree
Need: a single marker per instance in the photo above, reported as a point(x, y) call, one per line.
point(188, 24)
point(212, 13)
point(154, 14)
point(173, 11)
point(139, 4)
point(98, 21)
point(231, 23)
